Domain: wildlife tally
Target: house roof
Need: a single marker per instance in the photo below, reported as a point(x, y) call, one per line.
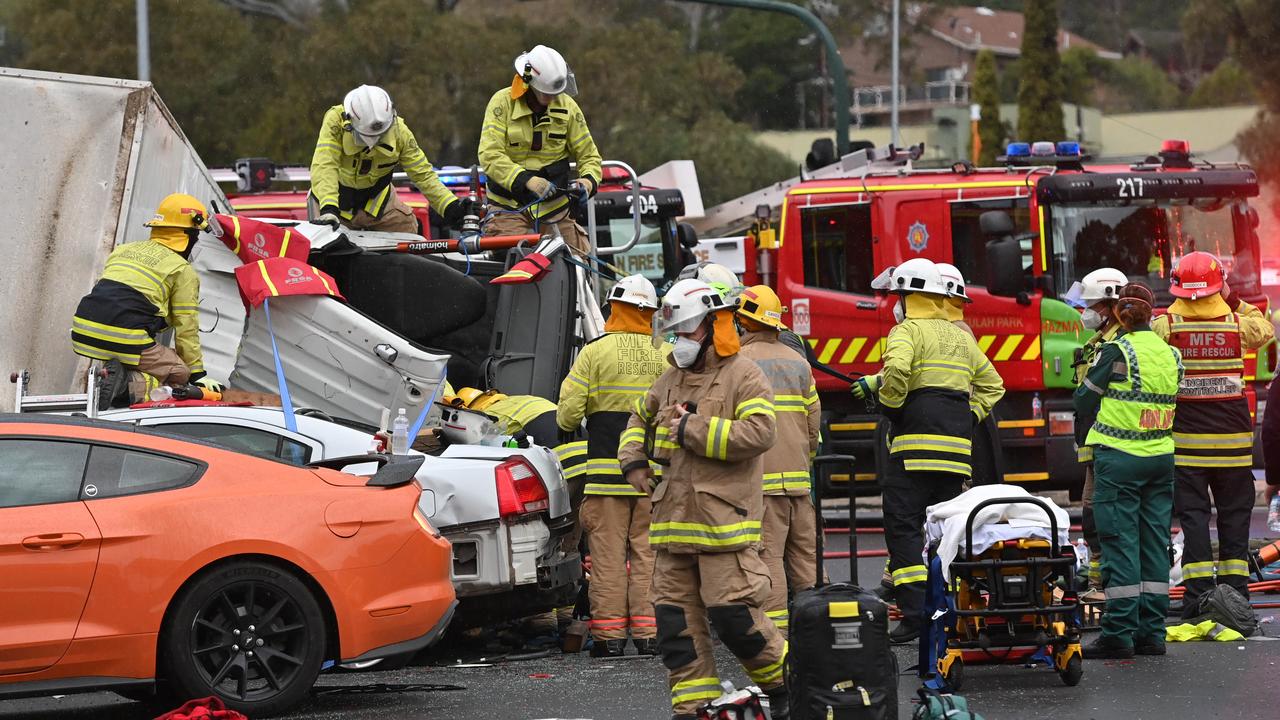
point(980, 28)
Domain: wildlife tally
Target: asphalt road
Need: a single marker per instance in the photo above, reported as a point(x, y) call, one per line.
point(1240, 681)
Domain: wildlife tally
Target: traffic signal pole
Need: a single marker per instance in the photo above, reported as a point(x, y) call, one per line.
point(835, 63)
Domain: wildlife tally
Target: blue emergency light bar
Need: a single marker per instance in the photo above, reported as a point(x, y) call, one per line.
point(1069, 147)
point(457, 176)
point(1066, 154)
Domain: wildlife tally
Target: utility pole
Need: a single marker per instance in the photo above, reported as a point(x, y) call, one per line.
point(835, 64)
point(893, 105)
point(144, 42)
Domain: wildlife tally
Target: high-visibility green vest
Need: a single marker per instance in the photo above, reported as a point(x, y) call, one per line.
point(1136, 415)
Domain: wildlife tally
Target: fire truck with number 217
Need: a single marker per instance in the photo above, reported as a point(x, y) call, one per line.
point(1021, 234)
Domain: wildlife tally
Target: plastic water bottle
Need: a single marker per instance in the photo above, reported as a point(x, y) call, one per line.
point(1273, 515)
point(161, 394)
point(1037, 407)
point(400, 434)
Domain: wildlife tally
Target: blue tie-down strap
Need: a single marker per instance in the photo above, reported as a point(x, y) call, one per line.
point(286, 402)
point(933, 638)
point(422, 416)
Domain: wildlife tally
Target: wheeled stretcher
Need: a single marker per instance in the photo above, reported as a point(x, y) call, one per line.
point(1008, 596)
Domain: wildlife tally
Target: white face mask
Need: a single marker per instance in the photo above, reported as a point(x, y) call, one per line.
point(1092, 319)
point(685, 351)
point(899, 312)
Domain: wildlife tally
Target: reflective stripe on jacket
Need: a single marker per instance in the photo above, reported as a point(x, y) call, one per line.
point(711, 496)
point(610, 374)
point(352, 177)
point(145, 288)
point(795, 400)
point(515, 144)
point(1137, 377)
point(515, 411)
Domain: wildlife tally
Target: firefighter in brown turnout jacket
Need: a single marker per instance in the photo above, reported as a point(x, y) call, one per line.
point(707, 420)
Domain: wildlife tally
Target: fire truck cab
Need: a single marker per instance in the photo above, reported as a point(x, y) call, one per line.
point(1021, 234)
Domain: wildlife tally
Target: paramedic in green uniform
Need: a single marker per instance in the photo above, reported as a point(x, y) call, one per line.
point(1132, 388)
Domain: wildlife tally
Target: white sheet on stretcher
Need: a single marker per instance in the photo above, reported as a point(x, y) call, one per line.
point(945, 522)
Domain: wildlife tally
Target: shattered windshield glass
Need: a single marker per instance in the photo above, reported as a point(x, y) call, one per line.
point(1145, 239)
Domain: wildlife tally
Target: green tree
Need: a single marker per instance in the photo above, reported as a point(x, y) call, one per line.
point(1135, 84)
point(986, 93)
point(1039, 98)
point(1252, 26)
point(1228, 84)
point(211, 64)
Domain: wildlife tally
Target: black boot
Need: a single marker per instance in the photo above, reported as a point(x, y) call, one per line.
point(1105, 648)
point(905, 632)
point(645, 646)
point(779, 703)
point(608, 648)
point(113, 390)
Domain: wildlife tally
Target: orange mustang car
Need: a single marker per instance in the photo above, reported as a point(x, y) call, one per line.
point(131, 559)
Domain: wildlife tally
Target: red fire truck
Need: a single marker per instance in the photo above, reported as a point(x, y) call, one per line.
point(1021, 233)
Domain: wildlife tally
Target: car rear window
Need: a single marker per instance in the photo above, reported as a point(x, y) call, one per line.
point(114, 472)
point(246, 440)
point(39, 472)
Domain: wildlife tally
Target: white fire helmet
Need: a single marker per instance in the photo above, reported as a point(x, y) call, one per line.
point(1101, 284)
point(954, 281)
point(545, 70)
point(685, 306)
point(914, 275)
point(635, 290)
point(369, 113)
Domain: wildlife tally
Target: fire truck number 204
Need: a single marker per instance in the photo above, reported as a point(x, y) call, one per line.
point(1129, 187)
point(648, 205)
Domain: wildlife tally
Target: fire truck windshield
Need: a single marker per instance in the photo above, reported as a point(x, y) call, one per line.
point(1145, 238)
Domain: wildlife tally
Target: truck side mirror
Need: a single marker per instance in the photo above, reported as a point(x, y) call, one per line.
point(1004, 255)
point(687, 236)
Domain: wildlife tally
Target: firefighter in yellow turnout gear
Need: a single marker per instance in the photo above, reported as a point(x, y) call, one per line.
point(790, 521)
point(147, 287)
point(530, 414)
point(610, 374)
point(1212, 430)
point(361, 144)
point(708, 420)
point(532, 131)
point(936, 386)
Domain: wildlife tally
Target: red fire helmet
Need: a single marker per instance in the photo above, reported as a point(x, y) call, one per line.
point(1198, 274)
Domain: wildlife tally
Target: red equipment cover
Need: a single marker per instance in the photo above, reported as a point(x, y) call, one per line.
point(280, 276)
point(210, 708)
point(254, 240)
point(530, 269)
point(187, 403)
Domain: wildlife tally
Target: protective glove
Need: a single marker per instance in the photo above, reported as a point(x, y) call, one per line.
point(329, 216)
point(456, 211)
point(582, 189)
point(539, 186)
point(866, 387)
point(208, 383)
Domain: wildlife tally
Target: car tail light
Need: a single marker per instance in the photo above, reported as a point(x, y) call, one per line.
point(520, 490)
point(1062, 423)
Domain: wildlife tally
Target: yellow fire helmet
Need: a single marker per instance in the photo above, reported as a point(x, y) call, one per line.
point(180, 210)
point(486, 399)
point(177, 215)
point(761, 303)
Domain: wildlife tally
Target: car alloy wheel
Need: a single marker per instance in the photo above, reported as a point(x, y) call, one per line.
point(249, 640)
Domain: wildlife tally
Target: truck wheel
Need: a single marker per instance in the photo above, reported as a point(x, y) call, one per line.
point(248, 632)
